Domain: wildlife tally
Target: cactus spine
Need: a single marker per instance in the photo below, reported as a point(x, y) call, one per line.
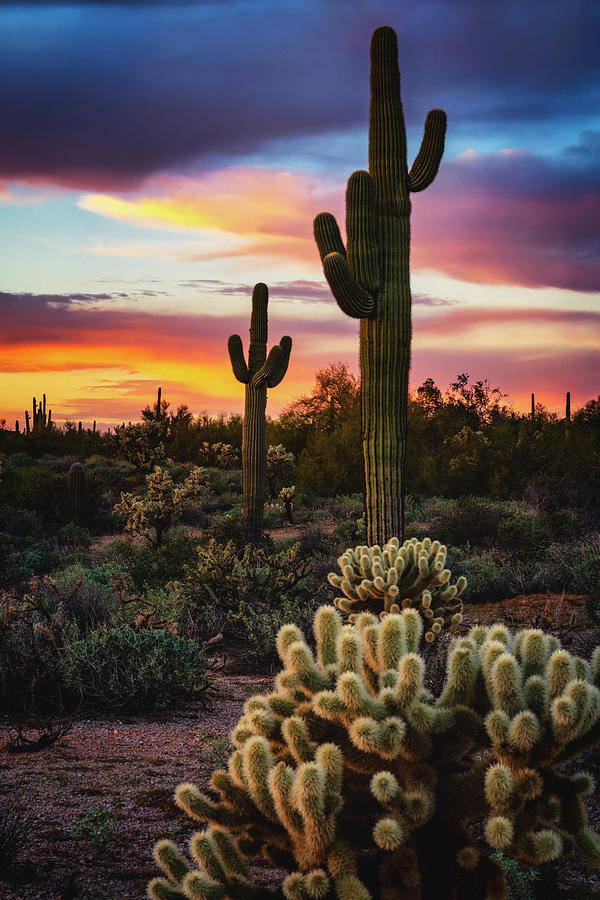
point(261, 372)
point(370, 280)
point(76, 485)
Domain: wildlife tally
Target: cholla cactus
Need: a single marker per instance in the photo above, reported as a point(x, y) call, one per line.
point(398, 577)
point(361, 784)
point(287, 495)
point(163, 503)
point(220, 455)
point(280, 465)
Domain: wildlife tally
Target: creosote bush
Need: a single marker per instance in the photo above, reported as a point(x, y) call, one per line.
point(398, 577)
point(362, 784)
point(127, 668)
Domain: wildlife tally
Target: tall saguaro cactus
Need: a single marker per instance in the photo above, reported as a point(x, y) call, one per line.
point(370, 279)
point(261, 372)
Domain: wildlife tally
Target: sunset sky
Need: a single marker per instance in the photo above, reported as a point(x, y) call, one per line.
point(159, 158)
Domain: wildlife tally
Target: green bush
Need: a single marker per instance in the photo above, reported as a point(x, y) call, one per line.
point(133, 669)
point(489, 576)
point(99, 827)
point(519, 881)
point(522, 532)
point(586, 570)
point(85, 596)
point(347, 532)
point(261, 625)
point(152, 566)
point(468, 519)
point(572, 567)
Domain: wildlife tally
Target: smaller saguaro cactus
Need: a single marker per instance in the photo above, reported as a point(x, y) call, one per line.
point(414, 575)
point(77, 486)
point(258, 374)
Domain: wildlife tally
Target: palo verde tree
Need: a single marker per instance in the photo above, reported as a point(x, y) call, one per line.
point(261, 372)
point(370, 280)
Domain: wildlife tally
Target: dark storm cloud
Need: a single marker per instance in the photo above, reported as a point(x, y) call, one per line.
point(100, 95)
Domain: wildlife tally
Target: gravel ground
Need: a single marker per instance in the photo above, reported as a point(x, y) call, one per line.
point(130, 766)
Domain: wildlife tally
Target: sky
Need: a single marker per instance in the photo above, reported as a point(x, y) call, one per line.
point(160, 158)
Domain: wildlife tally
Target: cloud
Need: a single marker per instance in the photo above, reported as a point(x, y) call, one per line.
point(238, 211)
point(508, 217)
point(462, 320)
point(104, 94)
point(512, 218)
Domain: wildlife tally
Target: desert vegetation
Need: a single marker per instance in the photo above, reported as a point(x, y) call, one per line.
point(422, 568)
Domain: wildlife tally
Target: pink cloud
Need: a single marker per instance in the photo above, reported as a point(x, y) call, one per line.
point(510, 218)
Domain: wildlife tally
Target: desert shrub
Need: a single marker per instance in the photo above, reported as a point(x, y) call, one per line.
point(21, 523)
point(218, 455)
point(572, 567)
point(85, 596)
point(20, 559)
point(230, 586)
point(33, 635)
point(347, 532)
point(520, 882)
point(314, 542)
point(280, 468)
point(261, 626)
point(272, 515)
point(133, 669)
point(489, 575)
point(73, 536)
point(15, 830)
point(522, 532)
point(229, 527)
point(586, 569)
point(468, 519)
point(565, 524)
point(150, 566)
point(98, 826)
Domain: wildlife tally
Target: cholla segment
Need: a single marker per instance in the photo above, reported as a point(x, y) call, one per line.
point(400, 577)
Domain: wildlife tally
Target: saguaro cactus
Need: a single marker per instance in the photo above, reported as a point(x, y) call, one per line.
point(261, 372)
point(77, 484)
point(40, 421)
point(370, 280)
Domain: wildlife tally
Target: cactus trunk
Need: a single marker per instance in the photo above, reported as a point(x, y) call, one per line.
point(260, 373)
point(77, 484)
point(370, 280)
point(254, 430)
